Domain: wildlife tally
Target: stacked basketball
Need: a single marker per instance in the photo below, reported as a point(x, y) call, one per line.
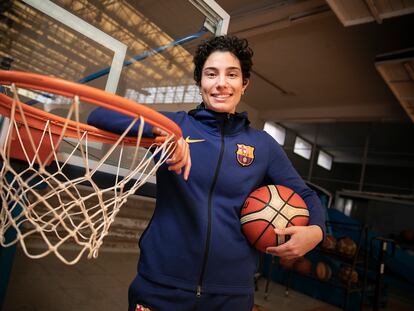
point(329, 243)
point(323, 271)
point(303, 266)
point(287, 264)
point(346, 247)
point(347, 274)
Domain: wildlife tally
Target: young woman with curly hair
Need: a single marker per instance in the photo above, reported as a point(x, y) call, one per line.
point(193, 253)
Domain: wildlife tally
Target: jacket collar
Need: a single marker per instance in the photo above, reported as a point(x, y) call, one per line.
point(231, 123)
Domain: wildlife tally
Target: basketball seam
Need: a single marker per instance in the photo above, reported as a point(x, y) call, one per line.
point(261, 201)
point(294, 206)
point(272, 207)
point(289, 220)
point(253, 220)
point(297, 206)
point(294, 217)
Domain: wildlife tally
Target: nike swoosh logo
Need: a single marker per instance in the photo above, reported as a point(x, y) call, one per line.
point(190, 141)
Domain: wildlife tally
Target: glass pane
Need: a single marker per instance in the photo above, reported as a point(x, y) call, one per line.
point(302, 148)
point(276, 131)
point(324, 160)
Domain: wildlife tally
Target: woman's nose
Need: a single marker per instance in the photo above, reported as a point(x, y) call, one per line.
point(221, 80)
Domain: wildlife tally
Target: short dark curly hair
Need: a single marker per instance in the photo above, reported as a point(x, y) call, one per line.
point(238, 47)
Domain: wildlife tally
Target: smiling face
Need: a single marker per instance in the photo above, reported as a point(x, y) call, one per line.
point(222, 82)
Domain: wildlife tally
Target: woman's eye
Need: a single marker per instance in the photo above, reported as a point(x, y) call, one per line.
point(210, 74)
point(233, 75)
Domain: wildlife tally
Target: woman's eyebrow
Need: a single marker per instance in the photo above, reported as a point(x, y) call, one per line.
point(233, 68)
point(228, 68)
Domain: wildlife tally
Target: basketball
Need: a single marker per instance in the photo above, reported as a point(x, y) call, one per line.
point(287, 263)
point(329, 243)
point(347, 247)
point(346, 273)
point(323, 271)
point(407, 235)
point(259, 308)
point(270, 207)
point(303, 266)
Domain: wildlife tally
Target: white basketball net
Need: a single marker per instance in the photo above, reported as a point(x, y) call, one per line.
point(51, 207)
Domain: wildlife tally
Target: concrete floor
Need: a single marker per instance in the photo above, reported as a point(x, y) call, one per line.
point(101, 284)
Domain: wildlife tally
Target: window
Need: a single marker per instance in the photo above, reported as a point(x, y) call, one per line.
point(276, 131)
point(344, 205)
point(339, 204)
point(165, 94)
point(348, 207)
point(324, 160)
point(302, 148)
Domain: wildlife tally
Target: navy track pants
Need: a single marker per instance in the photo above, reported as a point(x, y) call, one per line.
point(156, 297)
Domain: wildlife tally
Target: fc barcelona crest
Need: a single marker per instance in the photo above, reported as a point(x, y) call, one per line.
point(245, 154)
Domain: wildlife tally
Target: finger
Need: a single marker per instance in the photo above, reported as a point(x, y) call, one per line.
point(176, 156)
point(177, 166)
point(284, 248)
point(287, 255)
point(160, 139)
point(179, 153)
point(176, 170)
point(280, 250)
point(158, 131)
point(187, 167)
point(286, 231)
point(185, 160)
point(179, 161)
point(287, 249)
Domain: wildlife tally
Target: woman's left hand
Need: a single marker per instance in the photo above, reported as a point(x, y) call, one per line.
point(302, 240)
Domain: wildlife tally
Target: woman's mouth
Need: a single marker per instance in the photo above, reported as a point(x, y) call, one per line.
point(221, 96)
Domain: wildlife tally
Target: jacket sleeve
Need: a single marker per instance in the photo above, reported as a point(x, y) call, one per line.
point(115, 122)
point(281, 171)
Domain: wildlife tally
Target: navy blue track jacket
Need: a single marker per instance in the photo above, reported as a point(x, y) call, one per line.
point(194, 240)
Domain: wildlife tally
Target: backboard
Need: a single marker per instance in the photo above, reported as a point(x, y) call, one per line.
point(141, 50)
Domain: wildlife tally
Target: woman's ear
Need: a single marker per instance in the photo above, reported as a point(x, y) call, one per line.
point(245, 84)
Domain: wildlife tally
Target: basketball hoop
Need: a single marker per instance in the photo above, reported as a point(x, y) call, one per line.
point(41, 201)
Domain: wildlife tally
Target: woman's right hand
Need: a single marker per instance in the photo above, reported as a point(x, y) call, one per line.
point(181, 156)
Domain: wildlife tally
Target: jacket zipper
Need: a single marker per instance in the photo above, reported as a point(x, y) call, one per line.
point(210, 196)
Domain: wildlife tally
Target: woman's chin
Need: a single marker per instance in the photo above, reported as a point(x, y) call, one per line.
point(221, 108)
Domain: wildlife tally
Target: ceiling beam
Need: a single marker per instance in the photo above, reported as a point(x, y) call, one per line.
point(273, 17)
point(373, 10)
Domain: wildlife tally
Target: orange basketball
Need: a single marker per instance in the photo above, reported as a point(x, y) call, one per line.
point(287, 263)
point(259, 308)
point(303, 265)
point(270, 207)
point(346, 273)
point(329, 243)
point(323, 271)
point(347, 247)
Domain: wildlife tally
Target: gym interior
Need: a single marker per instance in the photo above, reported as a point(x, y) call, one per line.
point(332, 82)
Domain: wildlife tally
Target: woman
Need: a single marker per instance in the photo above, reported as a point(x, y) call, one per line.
point(193, 253)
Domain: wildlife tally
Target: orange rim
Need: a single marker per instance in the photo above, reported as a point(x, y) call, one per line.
point(37, 118)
